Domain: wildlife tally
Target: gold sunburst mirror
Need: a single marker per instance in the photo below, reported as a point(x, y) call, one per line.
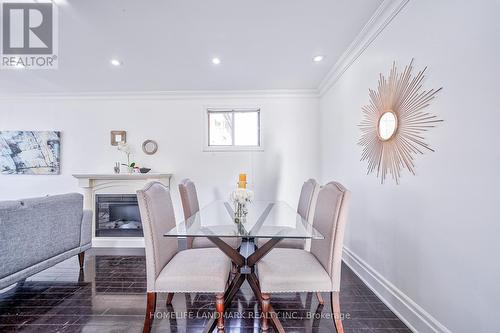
point(394, 123)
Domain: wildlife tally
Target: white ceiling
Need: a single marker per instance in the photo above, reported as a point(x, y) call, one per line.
point(167, 45)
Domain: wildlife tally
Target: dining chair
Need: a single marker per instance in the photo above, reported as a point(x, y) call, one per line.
point(190, 206)
point(169, 270)
point(285, 270)
point(305, 208)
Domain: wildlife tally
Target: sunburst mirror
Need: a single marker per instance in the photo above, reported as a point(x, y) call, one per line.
point(394, 123)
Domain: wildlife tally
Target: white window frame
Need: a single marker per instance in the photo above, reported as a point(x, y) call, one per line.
point(206, 128)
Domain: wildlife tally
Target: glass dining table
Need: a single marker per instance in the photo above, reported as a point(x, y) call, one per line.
point(264, 219)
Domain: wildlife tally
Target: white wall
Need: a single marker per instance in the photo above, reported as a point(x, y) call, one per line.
point(176, 123)
point(435, 237)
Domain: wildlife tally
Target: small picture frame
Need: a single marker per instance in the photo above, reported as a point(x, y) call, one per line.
point(118, 137)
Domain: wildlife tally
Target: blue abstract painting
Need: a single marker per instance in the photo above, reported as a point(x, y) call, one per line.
point(30, 152)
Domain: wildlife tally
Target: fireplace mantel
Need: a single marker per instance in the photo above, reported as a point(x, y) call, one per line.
point(85, 179)
point(121, 183)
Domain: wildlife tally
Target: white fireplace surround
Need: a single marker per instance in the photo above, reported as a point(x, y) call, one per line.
point(94, 184)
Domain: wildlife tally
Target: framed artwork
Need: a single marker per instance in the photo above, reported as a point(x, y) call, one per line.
point(30, 152)
point(118, 137)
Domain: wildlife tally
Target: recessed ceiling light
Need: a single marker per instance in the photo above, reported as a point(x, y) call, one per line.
point(116, 62)
point(318, 58)
point(215, 61)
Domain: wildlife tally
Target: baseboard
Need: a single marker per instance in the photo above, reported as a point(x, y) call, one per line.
point(413, 315)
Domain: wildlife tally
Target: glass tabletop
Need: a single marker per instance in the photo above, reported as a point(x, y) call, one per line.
point(265, 219)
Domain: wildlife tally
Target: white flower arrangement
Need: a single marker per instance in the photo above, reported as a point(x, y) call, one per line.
point(242, 196)
point(125, 148)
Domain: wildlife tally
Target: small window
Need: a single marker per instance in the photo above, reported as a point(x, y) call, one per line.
point(233, 129)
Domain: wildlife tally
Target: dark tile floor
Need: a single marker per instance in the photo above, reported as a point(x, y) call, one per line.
point(109, 296)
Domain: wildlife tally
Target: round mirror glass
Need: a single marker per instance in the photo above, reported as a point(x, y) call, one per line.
point(149, 147)
point(387, 125)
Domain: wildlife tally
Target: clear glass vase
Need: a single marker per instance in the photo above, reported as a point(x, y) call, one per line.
point(240, 212)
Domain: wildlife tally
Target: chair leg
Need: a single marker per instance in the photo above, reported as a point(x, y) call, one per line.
point(320, 298)
point(150, 312)
point(219, 306)
point(337, 315)
point(169, 298)
point(265, 312)
point(81, 259)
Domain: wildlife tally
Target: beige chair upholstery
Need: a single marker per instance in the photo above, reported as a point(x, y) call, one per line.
point(297, 271)
point(178, 275)
point(190, 206)
point(305, 208)
point(294, 270)
point(279, 265)
point(330, 220)
point(307, 199)
point(167, 269)
point(189, 198)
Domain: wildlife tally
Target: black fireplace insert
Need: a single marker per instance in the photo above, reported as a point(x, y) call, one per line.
point(117, 215)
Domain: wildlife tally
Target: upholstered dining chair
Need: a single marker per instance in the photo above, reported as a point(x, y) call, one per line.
point(305, 208)
point(169, 270)
point(190, 206)
point(285, 270)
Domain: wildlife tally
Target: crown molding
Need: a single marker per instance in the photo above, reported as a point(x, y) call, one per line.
point(169, 95)
point(384, 14)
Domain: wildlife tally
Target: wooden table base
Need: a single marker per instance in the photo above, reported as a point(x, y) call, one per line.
point(246, 270)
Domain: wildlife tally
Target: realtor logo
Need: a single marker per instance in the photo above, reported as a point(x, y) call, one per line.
point(29, 38)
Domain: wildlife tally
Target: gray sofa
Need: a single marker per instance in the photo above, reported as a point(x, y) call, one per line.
point(40, 232)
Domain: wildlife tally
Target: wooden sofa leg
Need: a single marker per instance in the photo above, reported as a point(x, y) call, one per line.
point(169, 298)
point(219, 307)
point(337, 315)
point(81, 259)
point(265, 312)
point(20, 283)
point(150, 312)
